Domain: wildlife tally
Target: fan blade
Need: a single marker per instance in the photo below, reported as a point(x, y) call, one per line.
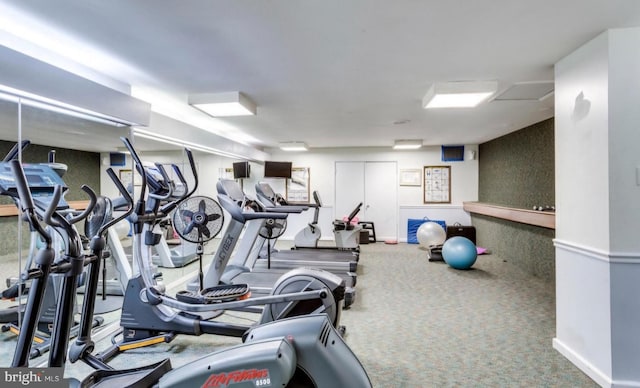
point(188, 228)
point(213, 217)
point(202, 206)
point(204, 231)
point(186, 214)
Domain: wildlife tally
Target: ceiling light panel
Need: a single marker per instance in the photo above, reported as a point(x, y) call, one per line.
point(223, 104)
point(407, 144)
point(459, 94)
point(293, 146)
point(527, 91)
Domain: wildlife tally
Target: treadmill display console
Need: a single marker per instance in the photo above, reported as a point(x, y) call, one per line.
point(41, 178)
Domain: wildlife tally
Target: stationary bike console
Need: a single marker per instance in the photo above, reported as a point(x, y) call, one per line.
point(217, 294)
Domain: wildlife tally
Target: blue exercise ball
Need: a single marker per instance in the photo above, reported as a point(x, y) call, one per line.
point(459, 252)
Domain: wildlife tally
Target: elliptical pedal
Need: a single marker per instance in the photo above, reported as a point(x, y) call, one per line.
point(136, 377)
point(217, 294)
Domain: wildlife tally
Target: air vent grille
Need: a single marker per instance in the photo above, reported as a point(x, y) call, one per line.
point(324, 334)
point(527, 91)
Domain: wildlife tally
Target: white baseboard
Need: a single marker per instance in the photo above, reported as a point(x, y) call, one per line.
point(590, 370)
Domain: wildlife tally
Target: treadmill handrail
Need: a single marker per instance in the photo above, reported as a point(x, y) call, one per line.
point(237, 214)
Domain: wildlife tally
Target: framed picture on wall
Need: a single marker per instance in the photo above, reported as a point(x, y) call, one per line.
point(226, 173)
point(410, 177)
point(127, 177)
point(437, 184)
point(297, 188)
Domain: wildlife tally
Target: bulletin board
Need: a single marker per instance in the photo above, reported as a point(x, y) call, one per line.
point(297, 188)
point(437, 184)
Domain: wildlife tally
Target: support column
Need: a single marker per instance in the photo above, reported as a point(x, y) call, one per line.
point(597, 155)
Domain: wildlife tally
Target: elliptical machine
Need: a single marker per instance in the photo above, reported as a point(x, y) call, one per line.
point(149, 316)
point(304, 351)
point(17, 287)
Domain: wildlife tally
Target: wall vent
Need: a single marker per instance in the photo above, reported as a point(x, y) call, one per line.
point(527, 91)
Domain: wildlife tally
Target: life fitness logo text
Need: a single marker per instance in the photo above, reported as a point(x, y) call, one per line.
point(260, 378)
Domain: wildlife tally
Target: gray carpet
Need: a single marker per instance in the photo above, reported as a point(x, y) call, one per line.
point(422, 324)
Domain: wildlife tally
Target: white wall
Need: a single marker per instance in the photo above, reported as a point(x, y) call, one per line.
point(598, 208)
point(321, 162)
point(624, 202)
point(581, 139)
point(464, 185)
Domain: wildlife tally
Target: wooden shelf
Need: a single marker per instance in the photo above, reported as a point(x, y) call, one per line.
point(12, 210)
point(524, 216)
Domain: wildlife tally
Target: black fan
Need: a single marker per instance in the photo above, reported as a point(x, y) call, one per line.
point(198, 220)
point(271, 230)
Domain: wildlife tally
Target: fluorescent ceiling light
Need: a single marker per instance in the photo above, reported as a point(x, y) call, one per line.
point(407, 144)
point(223, 104)
point(293, 146)
point(177, 109)
point(459, 94)
point(149, 135)
point(18, 96)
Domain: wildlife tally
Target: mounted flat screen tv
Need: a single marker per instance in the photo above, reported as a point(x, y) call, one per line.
point(452, 153)
point(241, 170)
point(277, 169)
point(117, 159)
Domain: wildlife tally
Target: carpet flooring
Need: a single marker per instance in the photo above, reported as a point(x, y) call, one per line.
point(422, 324)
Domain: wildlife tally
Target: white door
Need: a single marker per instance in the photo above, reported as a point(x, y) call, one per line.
point(349, 188)
point(375, 185)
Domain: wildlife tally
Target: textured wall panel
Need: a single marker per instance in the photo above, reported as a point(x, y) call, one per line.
point(83, 168)
point(517, 170)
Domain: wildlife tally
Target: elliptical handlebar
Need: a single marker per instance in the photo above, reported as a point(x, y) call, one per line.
point(166, 186)
point(194, 171)
point(15, 150)
point(138, 164)
point(183, 181)
point(173, 204)
point(92, 203)
point(26, 200)
point(165, 209)
point(54, 218)
point(47, 217)
point(125, 194)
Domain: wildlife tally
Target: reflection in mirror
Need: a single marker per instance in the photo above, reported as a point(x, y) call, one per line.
point(77, 144)
point(11, 259)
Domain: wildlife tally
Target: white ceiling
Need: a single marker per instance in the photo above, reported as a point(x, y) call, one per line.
point(338, 72)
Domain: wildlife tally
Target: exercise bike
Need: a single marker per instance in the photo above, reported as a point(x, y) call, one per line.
point(345, 233)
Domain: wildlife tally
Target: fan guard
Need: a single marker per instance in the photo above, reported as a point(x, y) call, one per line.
point(198, 219)
point(273, 228)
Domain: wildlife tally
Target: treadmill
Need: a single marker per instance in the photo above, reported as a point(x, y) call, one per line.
point(338, 262)
point(226, 270)
point(329, 258)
